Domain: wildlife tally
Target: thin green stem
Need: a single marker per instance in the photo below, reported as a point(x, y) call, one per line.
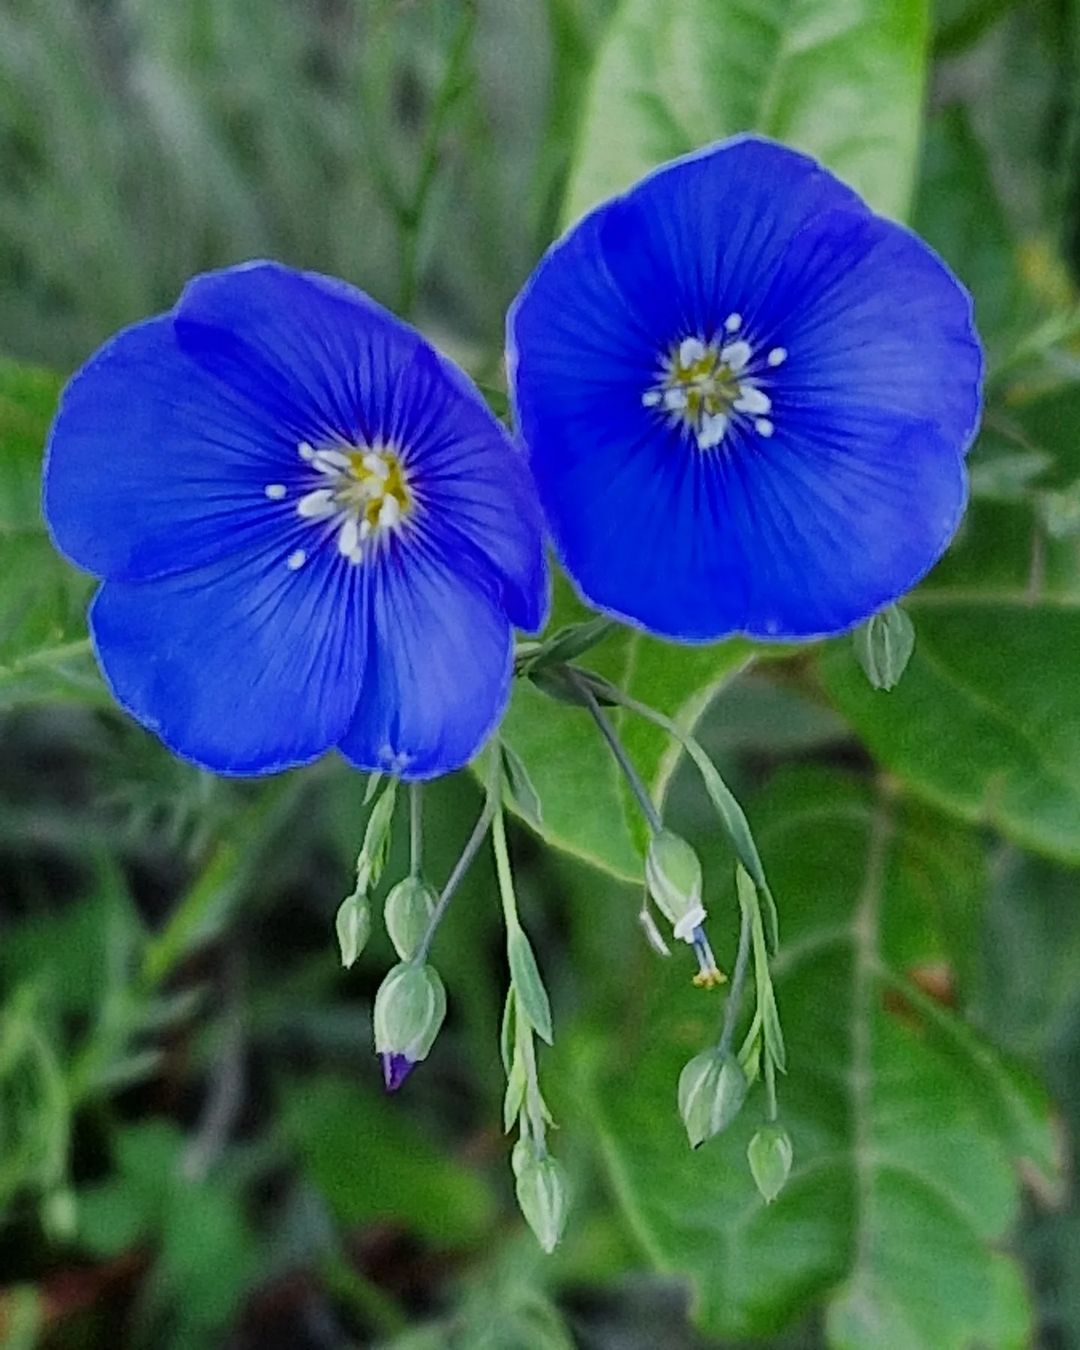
point(416, 828)
point(631, 774)
point(770, 1088)
point(738, 984)
point(468, 853)
point(412, 216)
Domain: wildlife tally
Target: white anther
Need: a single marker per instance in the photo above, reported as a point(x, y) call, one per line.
point(389, 511)
point(733, 323)
point(675, 399)
point(763, 427)
point(651, 397)
point(691, 349)
point(315, 505)
point(713, 426)
point(275, 491)
point(296, 560)
point(777, 356)
point(330, 462)
point(376, 464)
point(305, 450)
point(349, 537)
point(752, 400)
point(365, 529)
point(357, 555)
point(735, 356)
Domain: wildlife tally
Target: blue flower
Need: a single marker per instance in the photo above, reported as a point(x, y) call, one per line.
point(311, 531)
point(746, 399)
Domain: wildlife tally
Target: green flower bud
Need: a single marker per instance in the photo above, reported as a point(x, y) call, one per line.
point(673, 876)
point(883, 646)
point(408, 911)
point(712, 1088)
point(409, 1010)
point(353, 925)
point(770, 1155)
point(542, 1193)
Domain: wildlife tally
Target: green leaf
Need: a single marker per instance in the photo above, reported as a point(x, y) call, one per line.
point(586, 808)
point(959, 213)
point(44, 650)
point(906, 1125)
point(840, 81)
point(531, 996)
point(372, 1163)
point(986, 722)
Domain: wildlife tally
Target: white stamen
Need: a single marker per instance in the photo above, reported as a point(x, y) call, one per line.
point(674, 399)
point(691, 349)
point(330, 461)
point(349, 537)
point(296, 560)
point(305, 450)
point(777, 356)
point(651, 397)
point(752, 400)
point(365, 529)
point(315, 505)
point(389, 511)
point(733, 323)
point(357, 555)
point(275, 491)
point(735, 356)
point(763, 427)
point(713, 426)
point(377, 465)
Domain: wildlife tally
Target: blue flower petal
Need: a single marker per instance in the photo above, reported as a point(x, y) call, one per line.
point(438, 674)
point(153, 466)
point(309, 342)
point(789, 538)
point(865, 310)
point(828, 482)
point(475, 484)
point(323, 357)
point(243, 666)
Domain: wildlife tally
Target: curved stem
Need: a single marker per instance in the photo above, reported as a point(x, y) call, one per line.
point(631, 774)
point(738, 983)
point(455, 878)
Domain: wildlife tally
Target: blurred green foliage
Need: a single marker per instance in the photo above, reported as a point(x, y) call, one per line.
point(194, 1146)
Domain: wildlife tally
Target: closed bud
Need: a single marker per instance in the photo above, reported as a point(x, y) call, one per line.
point(770, 1156)
point(408, 911)
point(673, 876)
point(353, 925)
point(712, 1089)
point(883, 646)
point(409, 1010)
point(542, 1193)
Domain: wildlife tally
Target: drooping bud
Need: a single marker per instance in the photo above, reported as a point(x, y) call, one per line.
point(407, 913)
point(542, 1192)
point(353, 925)
point(770, 1155)
point(673, 876)
point(883, 646)
point(409, 1010)
point(712, 1088)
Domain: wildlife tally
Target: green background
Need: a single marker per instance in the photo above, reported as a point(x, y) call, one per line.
point(194, 1147)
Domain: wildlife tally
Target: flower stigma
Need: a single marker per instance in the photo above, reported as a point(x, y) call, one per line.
point(705, 386)
point(362, 493)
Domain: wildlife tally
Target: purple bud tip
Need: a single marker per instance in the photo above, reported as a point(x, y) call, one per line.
point(396, 1068)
